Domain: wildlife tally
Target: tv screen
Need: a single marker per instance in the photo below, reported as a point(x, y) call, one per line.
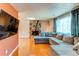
point(10, 23)
point(13, 25)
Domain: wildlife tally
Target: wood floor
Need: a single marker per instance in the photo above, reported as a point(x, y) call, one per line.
point(15, 53)
point(37, 49)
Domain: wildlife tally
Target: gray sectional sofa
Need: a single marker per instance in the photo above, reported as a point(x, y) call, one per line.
point(66, 45)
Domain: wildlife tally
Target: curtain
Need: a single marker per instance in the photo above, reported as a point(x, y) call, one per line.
point(75, 22)
point(54, 21)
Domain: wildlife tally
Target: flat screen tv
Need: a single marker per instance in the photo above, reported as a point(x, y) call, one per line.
point(11, 24)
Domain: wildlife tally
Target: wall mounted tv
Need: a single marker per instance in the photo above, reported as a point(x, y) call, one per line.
point(9, 22)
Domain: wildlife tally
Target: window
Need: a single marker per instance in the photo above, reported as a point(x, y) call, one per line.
point(63, 24)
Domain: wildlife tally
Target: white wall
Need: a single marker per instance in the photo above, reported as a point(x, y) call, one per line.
point(23, 25)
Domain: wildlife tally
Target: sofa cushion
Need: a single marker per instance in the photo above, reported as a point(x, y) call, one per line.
point(42, 33)
point(76, 40)
point(47, 34)
point(59, 36)
point(64, 50)
point(56, 40)
point(76, 46)
point(68, 39)
point(53, 35)
point(77, 51)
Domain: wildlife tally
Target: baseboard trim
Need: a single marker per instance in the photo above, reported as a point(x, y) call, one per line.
point(14, 50)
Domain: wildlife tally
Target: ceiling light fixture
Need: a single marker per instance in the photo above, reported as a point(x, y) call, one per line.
point(30, 18)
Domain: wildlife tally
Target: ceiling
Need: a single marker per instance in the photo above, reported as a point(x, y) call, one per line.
point(44, 10)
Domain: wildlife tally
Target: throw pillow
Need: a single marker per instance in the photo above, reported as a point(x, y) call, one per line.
point(76, 46)
point(76, 40)
point(58, 36)
point(68, 39)
point(42, 33)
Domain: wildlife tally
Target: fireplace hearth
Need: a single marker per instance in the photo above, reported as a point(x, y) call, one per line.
point(35, 33)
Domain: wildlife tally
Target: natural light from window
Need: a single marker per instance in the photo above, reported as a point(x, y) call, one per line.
point(63, 24)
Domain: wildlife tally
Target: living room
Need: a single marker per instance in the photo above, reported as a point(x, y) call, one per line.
point(60, 32)
point(48, 28)
point(44, 33)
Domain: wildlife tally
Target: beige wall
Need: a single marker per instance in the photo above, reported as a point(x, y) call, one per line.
point(9, 9)
point(51, 25)
point(46, 25)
